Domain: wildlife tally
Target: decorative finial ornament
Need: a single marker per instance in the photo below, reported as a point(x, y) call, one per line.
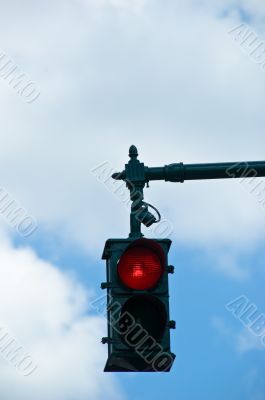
point(133, 153)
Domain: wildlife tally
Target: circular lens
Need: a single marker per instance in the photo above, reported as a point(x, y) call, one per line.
point(140, 268)
point(149, 312)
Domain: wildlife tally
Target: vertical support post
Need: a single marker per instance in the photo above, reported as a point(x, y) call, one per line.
point(135, 181)
point(136, 195)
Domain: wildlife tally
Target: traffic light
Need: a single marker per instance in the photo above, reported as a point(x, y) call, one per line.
point(138, 305)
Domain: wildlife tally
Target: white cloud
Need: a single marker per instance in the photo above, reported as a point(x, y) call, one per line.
point(242, 340)
point(134, 5)
point(46, 311)
point(246, 341)
point(167, 79)
point(253, 9)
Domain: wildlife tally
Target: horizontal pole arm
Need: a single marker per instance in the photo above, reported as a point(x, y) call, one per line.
point(184, 172)
point(181, 172)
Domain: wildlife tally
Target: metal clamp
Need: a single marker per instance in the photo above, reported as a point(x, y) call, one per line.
point(171, 269)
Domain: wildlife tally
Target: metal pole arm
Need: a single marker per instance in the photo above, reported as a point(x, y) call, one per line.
point(181, 172)
point(137, 175)
point(186, 172)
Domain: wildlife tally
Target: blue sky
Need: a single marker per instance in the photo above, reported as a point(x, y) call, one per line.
point(167, 77)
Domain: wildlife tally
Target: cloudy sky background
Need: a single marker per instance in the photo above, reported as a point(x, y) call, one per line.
point(166, 77)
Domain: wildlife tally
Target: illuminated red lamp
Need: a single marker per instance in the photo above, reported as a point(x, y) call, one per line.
point(141, 265)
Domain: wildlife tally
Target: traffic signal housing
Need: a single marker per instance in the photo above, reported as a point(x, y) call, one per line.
point(138, 305)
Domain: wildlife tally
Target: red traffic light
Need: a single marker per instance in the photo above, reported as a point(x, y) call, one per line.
point(141, 265)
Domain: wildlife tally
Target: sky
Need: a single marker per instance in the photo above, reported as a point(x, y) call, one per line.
point(174, 79)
